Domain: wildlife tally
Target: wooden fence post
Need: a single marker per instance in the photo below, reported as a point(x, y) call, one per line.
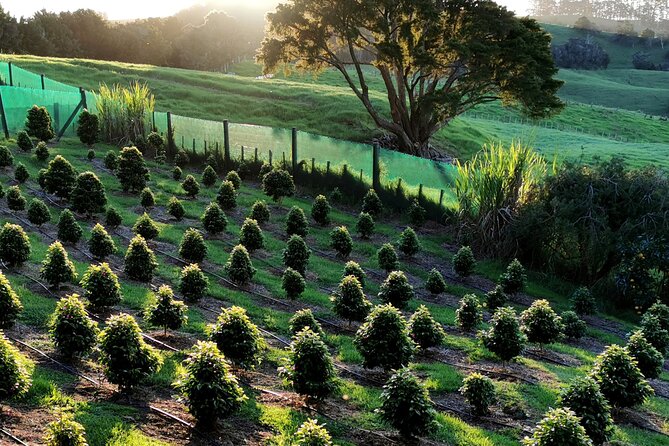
point(226, 143)
point(41, 77)
point(293, 149)
point(5, 128)
point(11, 75)
point(376, 174)
point(441, 197)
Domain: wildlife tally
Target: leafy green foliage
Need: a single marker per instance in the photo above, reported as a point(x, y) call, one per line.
point(65, 431)
point(365, 225)
point(21, 173)
point(296, 222)
point(310, 370)
point(464, 262)
point(227, 196)
point(132, 172)
point(435, 282)
point(654, 332)
point(88, 128)
point(504, 337)
point(23, 141)
point(661, 311)
point(371, 204)
point(15, 199)
point(277, 184)
point(38, 212)
point(619, 378)
point(349, 301)
point(155, 141)
point(292, 283)
point(214, 220)
point(341, 242)
point(239, 267)
point(10, 304)
point(147, 199)
point(513, 280)
point(209, 176)
point(416, 214)
point(305, 318)
point(146, 227)
point(193, 283)
point(251, 235)
point(406, 404)
point(73, 332)
point(424, 330)
point(383, 339)
point(336, 195)
point(237, 337)
point(175, 208)
point(101, 244)
point(479, 391)
point(60, 177)
point(181, 159)
point(310, 433)
point(101, 286)
point(111, 160)
point(296, 255)
point(14, 245)
point(190, 186)
point(260, 212)
point(648, 358)
point(320, 210)
point(540, 324)
point(352, 268)
point(558, 427)
point(176, 173)
point(387, 257)
point(396, 290)
point(90, 155)
point(112, 218)
point(42, 151)
point(140, 261)
point(6, 157)
point(69, 230)
point(192, 247)
point(165, 311)
point(234, 178)
point(574, 327)
point(57, 267)
point(14, 377)
point(469, 315)
point(583, 302)
point(88, 195)
point(38, 123)
point(586, 400)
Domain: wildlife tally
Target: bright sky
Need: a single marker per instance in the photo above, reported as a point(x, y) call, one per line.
point(131, 9)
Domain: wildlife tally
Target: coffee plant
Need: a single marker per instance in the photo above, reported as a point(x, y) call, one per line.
point(396, 290)
point(214, 220)
point(101, 286)
point(296, 222)
point(468, 316)
point(192, 247)
point(57, 268)
point(479, 391)
point(237, 337)
point(387, 258)
point(239, 267)
point(296, 255)
point(73, 332)
point(140, 261)
point(383, 339)
point(165, 311)
point(406, 405)
point(193, 283)
point(424, 330)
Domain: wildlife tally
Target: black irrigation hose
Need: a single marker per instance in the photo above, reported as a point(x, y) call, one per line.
point(15, 439)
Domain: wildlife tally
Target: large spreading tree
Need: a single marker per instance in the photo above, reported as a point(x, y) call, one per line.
point(436, 58)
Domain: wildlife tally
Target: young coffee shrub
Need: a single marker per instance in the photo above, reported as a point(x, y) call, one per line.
point(239, 266)
point(435, 282)
point(126, 358)
point(69, 230)
point(468, 316)
point(193, 283)
point(227, 196)
point(277, 184)
point(260, 212)
point(416, 214)
point(65, 432)
point(175, 208)
point(132, 172)
point(320, 210)
point(371, 204)
point(209, 176)
point(349, 302)
point(387, 258)
point(209, 387)
point(652, 330)
point(251, 235)
point(101, 244)
point(619, 378)
point(24, 142)
point(38, 124)
point(234, 178)
point(155, 141)
point(310, 433)
point(504, 337)
point(165, 311)
point(42, 152)
point(582, 301)
point(661, 311)
point(352, 268)
point(296, 255)
point(112, 218)
point(302, 319)
point(540, 324)
point(479, 391)
point(21, 173)
point(464, 262)
point(38, 212)
point(496, 298)
point(383, 339)
point(14, 375)
point(296, 222)
point(147, 199)
point(57, 267)
point(341, 242)
point(101, 286)
point(10, 304)
point(192, 247)
point(293, 283)
point(181, 159)
point(6, 157)
point(573, 326)
point(559, 427)
point(190, 186)
point(265, 168)
point(214, 220)
point(14, 245)
point(424, 330)
point(140, 261)
point(237, 337)
point(396, 290)
point(88, 196)
point(176, 173)
point(336, 195)
point(90, 155)
point(110, 160)
point(365, 225)
point(406, 405)
point(15, 199)
point(585, 399)
point(310, 370)
point(73, 332)
point(513, 280)
point(60, 177)
point(88, 128)
point(146, 227)
point(648, 358)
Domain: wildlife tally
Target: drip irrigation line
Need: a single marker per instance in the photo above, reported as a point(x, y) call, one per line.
point(14, 438)
point(482, 370)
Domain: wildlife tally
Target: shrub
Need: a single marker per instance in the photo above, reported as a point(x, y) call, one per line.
point(181, 158)
point(90, 155)
point(24, 142)
point(296, 222)
point(101, 244)
point(464, 262)
point(233, 177)
point(265, 168)
point(435, 282)
point(336, 195)
point(496, 298)
point(277, 184)
point(513, 280)
point(69, 230)
point(73, 332)
point(479, 391)
point(648, 358)
point(21, 173)
point(652, 330)
point(237, 337)
point(192, 248)
point(88, 196)
point(341, 242)
point(190, 186)
point(365, 225)
point(574, 327)
point(15, 199)
point(193, 283)
point(540, 324)
point(88, 128)
point(320, 210)
point(387, 257)
point(146, 227)
point(310, 370)
point(296, 255)
point(383, 339)
point(585, 399)
point(112, 218)
point(661, 311)
point(126, 358)
point(214, 220)
point(38, 212)
point(155, 141)
point(175, 208)
point(349, 302)
point(132, 171)
point(302, 319)
point(209, 176)
point(176, 173)
point(42, 152)
point(147, 199)
point(38, 123)
point(10, 304)
point(251, 235)
point(65, 432)
point(14, 376)
point(559, 427)
point(416, 214)
point(582, 301)
point(468, 316)
point(352, 268)
point(310, 433)
point(227, 196)
point(239, 266)
point(14, 245)
point(165, 311)
point(406, 404)
point(424, 330)
point(6, 157)
point(41, 178)
point(60, 177)
point(619, 378)
point(140, 261)
point(209, 387)
point(504, 337)
point(111, 160)
point(371, 204)
point(101, 286)
point(396, 290)
point(57, 267)
point(260, 212)
point(292, 283)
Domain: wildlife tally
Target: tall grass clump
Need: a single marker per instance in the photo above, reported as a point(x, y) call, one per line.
point(125, 112)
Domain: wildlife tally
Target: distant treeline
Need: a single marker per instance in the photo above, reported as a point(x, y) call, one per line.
point(198, 37)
